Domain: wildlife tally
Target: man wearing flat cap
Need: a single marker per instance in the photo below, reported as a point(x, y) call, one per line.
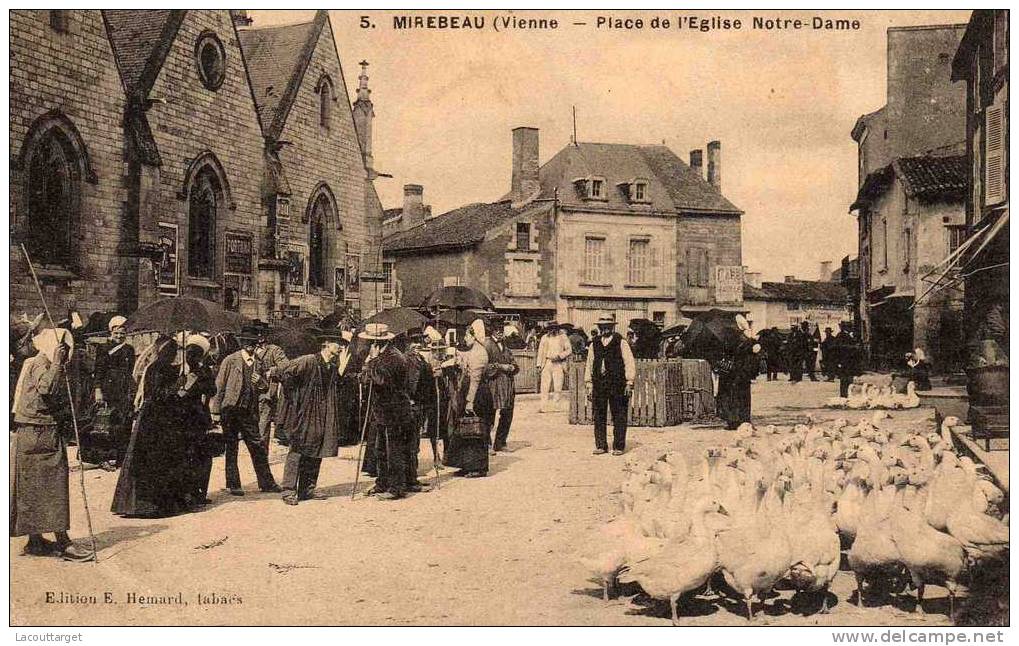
point(238, 385)
point(114, 385)
point(610, 372)
point(311, 386)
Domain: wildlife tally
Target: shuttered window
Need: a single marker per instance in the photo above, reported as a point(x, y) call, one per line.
point(594, 260)
point(523, 279)
point(639, 261)
point(994, 155)
point(697, 267)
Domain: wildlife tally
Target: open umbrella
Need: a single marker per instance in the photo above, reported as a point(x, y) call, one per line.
point(294, 341)
point(171, 315)
point(710, 334)
point(399, 319)
point(460, 318)
point(458, 297)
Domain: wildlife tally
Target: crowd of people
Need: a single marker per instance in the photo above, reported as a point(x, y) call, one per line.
point(167, 410)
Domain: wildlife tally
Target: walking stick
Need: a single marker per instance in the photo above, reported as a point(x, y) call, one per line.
point(360, 445)
point(70, 401)
point(435, 437)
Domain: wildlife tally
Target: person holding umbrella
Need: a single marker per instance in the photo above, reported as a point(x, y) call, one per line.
point(238, 385)
point(385, 377)
point(609, 377)
point(311, 385)
point(195, 386)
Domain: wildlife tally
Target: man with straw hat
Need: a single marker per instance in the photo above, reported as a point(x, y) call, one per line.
point(385, 377)
point(238, 385)
point(40, 496)
point(610, 372)
point(311, 386)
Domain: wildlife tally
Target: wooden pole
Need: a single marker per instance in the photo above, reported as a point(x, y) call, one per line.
point(360, 445)
point(70, 402)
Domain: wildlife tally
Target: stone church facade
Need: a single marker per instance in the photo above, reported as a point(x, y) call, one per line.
point(141, 139)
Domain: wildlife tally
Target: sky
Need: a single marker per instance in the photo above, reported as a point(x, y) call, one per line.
point(782, 103)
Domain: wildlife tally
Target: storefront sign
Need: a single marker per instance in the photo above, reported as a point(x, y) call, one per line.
point(169, 284)
point(728, 284)
point(295, 275)
point(353, 275)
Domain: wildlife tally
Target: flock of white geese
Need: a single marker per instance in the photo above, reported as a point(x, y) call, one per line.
point(783, 503)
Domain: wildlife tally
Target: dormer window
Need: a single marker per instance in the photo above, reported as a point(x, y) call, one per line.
point(597, 188)
point(640, 191)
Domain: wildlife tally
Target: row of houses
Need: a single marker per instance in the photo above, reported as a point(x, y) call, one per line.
point(172, 152)
point(622, 228)
point(932, 204)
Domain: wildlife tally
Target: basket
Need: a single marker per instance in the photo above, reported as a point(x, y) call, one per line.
point(470, 427)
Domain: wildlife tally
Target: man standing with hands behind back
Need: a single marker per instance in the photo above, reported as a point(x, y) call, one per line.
point(609, 377)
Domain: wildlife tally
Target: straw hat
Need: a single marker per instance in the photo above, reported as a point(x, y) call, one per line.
point(376, 332)
point(198, 341)
point(116, 321)
point(606, 319)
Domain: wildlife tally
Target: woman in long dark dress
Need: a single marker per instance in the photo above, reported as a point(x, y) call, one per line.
point(741, 367)
point(195, 386)
point(151, 479)
point(470, 398)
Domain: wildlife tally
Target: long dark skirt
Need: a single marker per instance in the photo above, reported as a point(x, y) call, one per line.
point(153, 479)
point(39, 482)
point(733, 401)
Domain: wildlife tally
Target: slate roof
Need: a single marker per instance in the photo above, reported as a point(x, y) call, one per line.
point(807, 291)
point(672, 185)
point(923, 176)
point(276, 58)
point(457, 229)
point(141, 39)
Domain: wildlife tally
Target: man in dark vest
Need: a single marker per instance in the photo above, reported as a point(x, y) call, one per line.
point(609, 378)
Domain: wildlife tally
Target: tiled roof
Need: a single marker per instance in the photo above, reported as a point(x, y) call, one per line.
point(928, 176)
point(923, 176)
point(456, 229)
point(141, 39)
point(672, 185)
point(807, 291)
point(275, 58)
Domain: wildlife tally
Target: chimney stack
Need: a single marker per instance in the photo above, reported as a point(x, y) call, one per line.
point(715, 164)
point(825, 271)
point(414, 210)
point(697, 162)
point(790, 279)
point(240, 17)
point(524, 184)
point(364, 113)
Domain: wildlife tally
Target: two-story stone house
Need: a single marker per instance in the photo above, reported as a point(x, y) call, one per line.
point(598, 228)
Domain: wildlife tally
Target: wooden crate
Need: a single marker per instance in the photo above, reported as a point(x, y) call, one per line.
point(658, 393)
point(527, 379)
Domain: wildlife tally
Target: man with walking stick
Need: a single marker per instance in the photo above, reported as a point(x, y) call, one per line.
point(40, 496)
point(385, 372)
point(311, 384)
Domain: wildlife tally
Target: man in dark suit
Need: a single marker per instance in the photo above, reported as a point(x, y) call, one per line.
point(238, 385)
point(848, 355)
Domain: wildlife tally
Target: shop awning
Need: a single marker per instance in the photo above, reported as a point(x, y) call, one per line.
point(959, 260)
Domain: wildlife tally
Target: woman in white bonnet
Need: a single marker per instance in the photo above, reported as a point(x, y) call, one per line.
point(473, 398)
point(40, 496)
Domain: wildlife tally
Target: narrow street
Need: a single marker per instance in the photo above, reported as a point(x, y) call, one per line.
point(499, 550)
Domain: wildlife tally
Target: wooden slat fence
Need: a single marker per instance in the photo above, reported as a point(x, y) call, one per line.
point(666, 392)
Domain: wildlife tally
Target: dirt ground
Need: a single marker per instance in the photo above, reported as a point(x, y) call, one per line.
point(494, 551)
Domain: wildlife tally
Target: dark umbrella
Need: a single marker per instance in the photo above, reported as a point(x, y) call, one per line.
point(710, 334)
point(171, 315)
point(458, 297)
point(399, 319)
point(461, 318)
point(294, 341)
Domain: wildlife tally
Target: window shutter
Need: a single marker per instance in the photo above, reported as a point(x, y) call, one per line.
point(994, 155)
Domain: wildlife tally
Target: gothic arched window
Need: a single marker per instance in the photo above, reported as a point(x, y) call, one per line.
point(325, 97)
point(53, 189)
point(203, 202)
point(318, 242)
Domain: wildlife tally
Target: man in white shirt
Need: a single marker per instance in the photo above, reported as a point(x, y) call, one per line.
point(609, 377)
point(554, 351)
